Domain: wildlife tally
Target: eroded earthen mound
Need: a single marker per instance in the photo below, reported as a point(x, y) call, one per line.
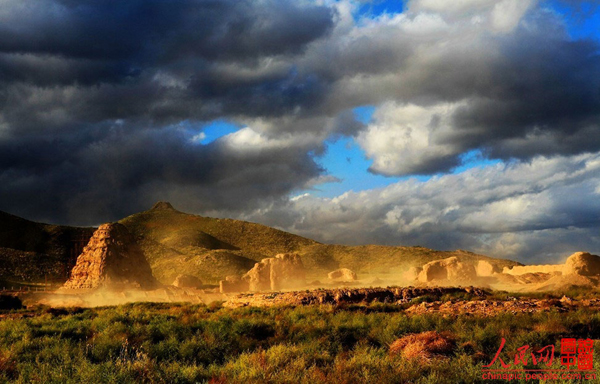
point(284, 271)
point(582, 264)
point(187, 281)
point(342, 274)
point(112, 258)
point(485, 268)
point(233, 284)
point(424, 346)
point(450, 269)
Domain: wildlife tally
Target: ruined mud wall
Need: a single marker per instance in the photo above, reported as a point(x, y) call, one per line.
point(521, 270)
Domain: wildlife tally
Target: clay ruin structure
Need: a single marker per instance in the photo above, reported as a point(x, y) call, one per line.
point(112, 259)
point(580, 269)
point(187, 281)
point(284, 271)
point(342, 275)
point(450, 269)
point(233, 284)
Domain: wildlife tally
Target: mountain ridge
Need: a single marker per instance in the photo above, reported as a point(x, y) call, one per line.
point(210, 248)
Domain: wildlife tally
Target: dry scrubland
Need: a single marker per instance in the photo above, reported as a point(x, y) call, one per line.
point(184, 343)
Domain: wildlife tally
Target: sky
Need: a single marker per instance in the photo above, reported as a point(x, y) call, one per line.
point(466, 124)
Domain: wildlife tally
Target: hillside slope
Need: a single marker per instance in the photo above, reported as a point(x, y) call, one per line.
point(211, 248)
point(35, 252)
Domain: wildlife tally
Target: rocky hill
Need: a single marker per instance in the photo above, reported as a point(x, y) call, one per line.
point(209, 248)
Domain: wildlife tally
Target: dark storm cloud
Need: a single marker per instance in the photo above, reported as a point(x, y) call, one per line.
point(540, 88)
point(154, 60)
point(112, 171)
point(102, 105)
point(147, 31)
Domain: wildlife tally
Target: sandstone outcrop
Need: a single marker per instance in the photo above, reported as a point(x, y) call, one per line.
point(342, 274)
point(187, 281)
point(112, 258)
point(284, 271)
point(450, 269)
point(582, 264)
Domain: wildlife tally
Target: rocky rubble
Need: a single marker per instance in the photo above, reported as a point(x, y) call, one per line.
point(489, 307)
point(394, 295)
point(416, 301)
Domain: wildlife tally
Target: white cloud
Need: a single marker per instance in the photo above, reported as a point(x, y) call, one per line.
point(247, 139)
point(404, 139)
point(452, 7)
point(198, 138)
point(502, 15)
point(526, 211)
point(507, 14)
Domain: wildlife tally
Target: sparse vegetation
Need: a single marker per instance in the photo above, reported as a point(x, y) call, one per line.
point(181, 343)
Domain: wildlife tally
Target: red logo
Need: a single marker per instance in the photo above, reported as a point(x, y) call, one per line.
point(576, 355)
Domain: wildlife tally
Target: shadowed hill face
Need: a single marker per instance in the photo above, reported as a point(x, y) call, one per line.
point(32, 251)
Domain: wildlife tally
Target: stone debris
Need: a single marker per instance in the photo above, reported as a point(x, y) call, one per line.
point(342, 274)
point(284, 271)
point(392, 295)
point(488, 308)
point(113, 259)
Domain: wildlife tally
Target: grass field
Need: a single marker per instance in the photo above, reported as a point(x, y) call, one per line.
point(181, 343)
